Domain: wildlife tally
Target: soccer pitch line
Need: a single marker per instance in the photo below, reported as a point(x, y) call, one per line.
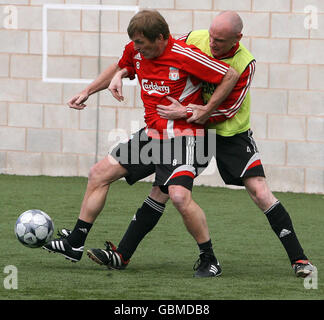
point(49, 6)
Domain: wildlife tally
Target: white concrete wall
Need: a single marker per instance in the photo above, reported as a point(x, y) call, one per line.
point(40, 135)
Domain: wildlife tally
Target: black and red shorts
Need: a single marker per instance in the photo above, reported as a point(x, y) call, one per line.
point(175, 161)
point(237, 157)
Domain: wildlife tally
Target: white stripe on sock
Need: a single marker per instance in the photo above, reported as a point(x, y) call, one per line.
point(154, 205)
point(272, 207)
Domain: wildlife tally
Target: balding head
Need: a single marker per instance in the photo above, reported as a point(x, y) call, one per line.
point(229, 21)
point(224, 32)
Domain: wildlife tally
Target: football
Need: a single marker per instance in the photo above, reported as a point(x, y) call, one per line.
point(34, 228)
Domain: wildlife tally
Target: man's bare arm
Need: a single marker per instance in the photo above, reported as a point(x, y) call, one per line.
point(116, 84)
point(100, 83)
point(173, 111)
point(202, 113)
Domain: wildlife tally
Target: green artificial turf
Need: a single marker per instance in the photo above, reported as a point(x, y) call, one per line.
point(255, 265)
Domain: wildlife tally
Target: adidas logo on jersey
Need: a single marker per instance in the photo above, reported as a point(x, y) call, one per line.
point(138, 57)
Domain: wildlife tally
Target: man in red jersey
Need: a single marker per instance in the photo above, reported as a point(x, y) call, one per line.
point(233, 146)
point(165, 67)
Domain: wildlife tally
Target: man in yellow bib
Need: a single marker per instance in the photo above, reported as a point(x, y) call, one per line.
point(237, 156)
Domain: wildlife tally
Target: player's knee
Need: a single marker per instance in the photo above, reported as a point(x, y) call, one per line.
point(101, 173)
point(260, 193)
point(264, 196)
point(95, 173)
point(180, 197)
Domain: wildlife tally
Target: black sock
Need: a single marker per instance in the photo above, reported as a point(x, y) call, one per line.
point(206, 247)
point(281, 224)
point(79, 234)
point(143, 222)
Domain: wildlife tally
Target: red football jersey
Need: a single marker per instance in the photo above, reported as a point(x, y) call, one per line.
point(177, 73)
point(232, 104)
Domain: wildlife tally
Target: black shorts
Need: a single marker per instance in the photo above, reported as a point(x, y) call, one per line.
point(175, 161)
point(237, 157)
